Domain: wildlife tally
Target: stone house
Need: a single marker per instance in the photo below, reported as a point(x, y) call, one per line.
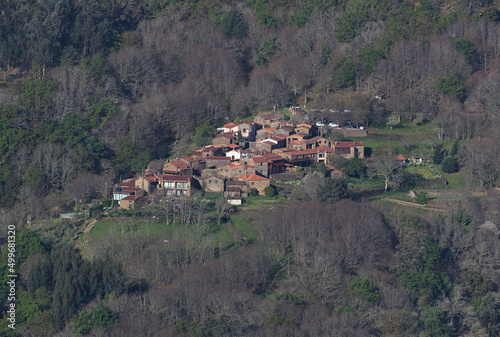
point(214, 183)
point(132, 202)
point(349, 149)
point(224, 138)
point(216, 161)
point(255, 181)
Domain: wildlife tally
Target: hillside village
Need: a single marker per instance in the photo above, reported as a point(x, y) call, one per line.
point(244, 158)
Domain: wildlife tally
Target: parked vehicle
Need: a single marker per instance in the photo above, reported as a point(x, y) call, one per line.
point(333, 125)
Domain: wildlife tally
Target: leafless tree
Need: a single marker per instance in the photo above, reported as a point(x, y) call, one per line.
point(386, 167)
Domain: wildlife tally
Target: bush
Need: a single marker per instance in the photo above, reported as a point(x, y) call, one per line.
point(332, 190)
point(422, 198)
point(253, 192)
point(291, 298)
point(363, 288)
point(269, 191)
point(452, 85)
point(449, 165)
point(355, 168)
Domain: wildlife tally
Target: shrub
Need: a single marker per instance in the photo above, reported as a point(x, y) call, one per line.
point(290, 298)
point(363, 288)
point(253, 192)
point(422, 198)
point(355, 168)
point(269, 191)
point(449, 165)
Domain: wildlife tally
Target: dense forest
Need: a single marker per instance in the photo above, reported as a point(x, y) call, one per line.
point(92, 92)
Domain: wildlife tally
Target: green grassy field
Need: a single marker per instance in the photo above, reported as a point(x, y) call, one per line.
point(243, 224)
point(119, 227)
point(426, 171)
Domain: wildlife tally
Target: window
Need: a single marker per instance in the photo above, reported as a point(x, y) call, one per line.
point(253, 183)
point(170, 192)
point(181, 192)
point(169, 184)
point(182, 185)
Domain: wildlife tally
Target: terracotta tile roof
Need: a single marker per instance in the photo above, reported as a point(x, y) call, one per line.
point(276, 139)
point(400, 158)
point(230, 125)
point(235, 183)
point(252, 177)
point(280, 135)
point(217, 158)
point(347, 144)
point(304, 152)
point(268, 129)
point(233, 146)
point(259, 160)
point(180, 165)
point(128, 182)
point(335, 171)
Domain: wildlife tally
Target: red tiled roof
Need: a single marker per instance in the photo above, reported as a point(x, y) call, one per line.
point(180, 165)
point(280, 135)
point(268, 129)
point(217, 158)
point(252, 176)
point(259, 160)
point(347, 144)
point(335, 171)
point(267, 142)
point(128, 182)
point(304, 152)
point(400, 158)
point(233, 146)
point(230, 125)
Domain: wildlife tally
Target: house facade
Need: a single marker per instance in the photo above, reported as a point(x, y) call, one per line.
point(176, 185)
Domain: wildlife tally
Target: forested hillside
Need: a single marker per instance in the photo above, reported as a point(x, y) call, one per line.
point(92, 92)
point(105, 87)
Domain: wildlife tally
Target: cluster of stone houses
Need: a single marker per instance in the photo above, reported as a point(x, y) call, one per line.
point(241, 157)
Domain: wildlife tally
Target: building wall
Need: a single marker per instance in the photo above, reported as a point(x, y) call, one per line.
point(213, 184)
point(217, 162)
point(260, 185)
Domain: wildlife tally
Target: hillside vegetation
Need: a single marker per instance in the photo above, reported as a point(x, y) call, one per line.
point(92, 92)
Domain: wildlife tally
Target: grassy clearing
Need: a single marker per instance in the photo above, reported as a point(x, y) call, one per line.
point(426, 171)
point(456, 180)
point(258, 202)
point(119, 227)
point(243, 224)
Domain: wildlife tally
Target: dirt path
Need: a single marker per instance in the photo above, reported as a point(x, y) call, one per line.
point(90, 226)
point(411, 204)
